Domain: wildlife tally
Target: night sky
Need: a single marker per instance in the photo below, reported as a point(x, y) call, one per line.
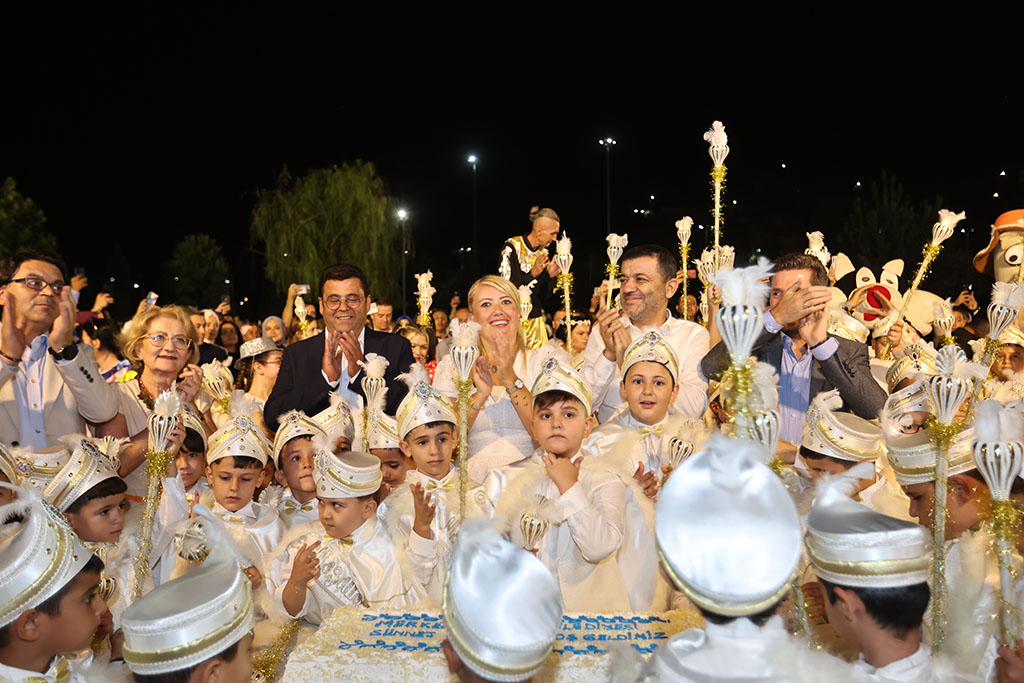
point(131, 132)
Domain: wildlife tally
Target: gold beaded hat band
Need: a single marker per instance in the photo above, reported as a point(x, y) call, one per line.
point(555, 376)
point(239, 437)
point(650, 346)
point(843, 436)
point(292, 425)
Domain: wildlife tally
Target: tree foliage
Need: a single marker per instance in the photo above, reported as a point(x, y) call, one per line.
point(197, 270)
point(330, 215)
point(886, 223)
point(21, 223)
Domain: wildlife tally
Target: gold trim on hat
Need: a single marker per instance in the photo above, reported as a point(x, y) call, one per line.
point(868, 567)
point(464, 649)
point(352, 484)
point(21, 600)
point(76, 479)
point(725, 610)
point(924, 469)
point(842, 446)
point(180, 652)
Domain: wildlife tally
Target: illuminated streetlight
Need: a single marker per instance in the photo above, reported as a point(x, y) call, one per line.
point(608, 143)
point(472, 159)
point(403, 217)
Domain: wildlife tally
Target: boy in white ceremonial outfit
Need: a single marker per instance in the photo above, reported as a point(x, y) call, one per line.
point(347, 558)
point(293, 456)
point(501, 609)
point(572, 516)
point(191, 460)
point(423, 512)
point(337, 422)
point(197, 628)
point(729, 537)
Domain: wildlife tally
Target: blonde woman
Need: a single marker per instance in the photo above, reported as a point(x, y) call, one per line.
point(501, 410)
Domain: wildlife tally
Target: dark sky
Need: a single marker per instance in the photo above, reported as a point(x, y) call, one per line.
point(134, 131)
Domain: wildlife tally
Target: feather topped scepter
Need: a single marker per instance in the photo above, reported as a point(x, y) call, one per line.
point(464, 354)
point(563, 257)
point(166, 408)
point(739, 320)
point(942, 230)
point(1003, 310)
point(718, 148)
point(374, 366)
point(942, 311)
point(999, 454)
point(684, 229)
point(424, 296)
point(616, 243)
point(218, 381)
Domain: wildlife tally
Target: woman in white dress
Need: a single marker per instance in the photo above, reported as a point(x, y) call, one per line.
point(501, 410)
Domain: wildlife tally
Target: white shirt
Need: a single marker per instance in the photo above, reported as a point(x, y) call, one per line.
point(28, 388)
point(341, 385)
point(917, 668)
point(689, 341)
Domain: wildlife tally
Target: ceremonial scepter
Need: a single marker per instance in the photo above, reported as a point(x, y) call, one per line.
point(718, 143)
point(425, 296)
point(217, 381)
point(563, 257)
point(374, 366)
point(941, 231)
point(999, 457)
point(616, 243)
point(1003, 309)
point(943, 323)
point(465, 352)
point(946, 392)
point(161, 421)
point(683, 227)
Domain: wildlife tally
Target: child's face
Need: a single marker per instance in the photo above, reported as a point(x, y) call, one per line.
point(297, 466)
point(561, 427)
point(191, 465)
point(240, 668)
point(101, 519)
point(233, 487)
point(649, 390)
point(430, 448)
point(820, 467)
point(341, 516)
point(81, 608)
point(1009, 361)
point(393, 466)
point(961, 504)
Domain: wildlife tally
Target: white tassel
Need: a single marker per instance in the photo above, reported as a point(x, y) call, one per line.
point(744, 286)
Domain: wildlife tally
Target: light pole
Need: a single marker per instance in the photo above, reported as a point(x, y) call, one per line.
point(472, 159)
point(608, 143)
point(403, 216)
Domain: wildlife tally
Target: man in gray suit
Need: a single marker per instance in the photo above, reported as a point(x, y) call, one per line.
point(796, 342)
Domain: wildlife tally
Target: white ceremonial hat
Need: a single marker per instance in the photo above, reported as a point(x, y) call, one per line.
point(1012, 335)
point(555, 376)
point(727, 531)
point(842, 324)
point(852, 545)
point(651, 346)
point(38, 556)
point(915, 363)
point(423, 404)
point(294, 424)
point(241, 436)
point(8, 465)
point(912, 398)
point(501, 606)
point(336, 420)
point(195, 617)
point(349, 475)
point(65, 476)
point(255, 347)
point(194, 422)
point(840, 435)
point(383, 431)
point(912, 456)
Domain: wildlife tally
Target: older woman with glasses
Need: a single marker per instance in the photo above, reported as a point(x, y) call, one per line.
point(164, 347)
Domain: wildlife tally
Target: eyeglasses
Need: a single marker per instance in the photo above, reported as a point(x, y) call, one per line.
point(351, 301)
point(158, 340)
point(38, 284)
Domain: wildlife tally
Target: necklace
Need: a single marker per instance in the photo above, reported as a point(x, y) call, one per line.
point(144, 395)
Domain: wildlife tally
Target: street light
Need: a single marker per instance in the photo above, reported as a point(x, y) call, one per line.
point(403, 216)
point(608, 143)
point(472, 159)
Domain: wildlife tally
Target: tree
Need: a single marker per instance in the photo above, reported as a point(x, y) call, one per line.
point(21, 223)
point(887, 224)
point(197, 269)
point(330, 215)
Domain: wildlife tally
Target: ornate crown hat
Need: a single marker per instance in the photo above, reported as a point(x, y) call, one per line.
point(188, 620)
point(727, 531)
point(555, 376)
point(294, 424)
point(840, 435)
point(336, 420)
point(349, 475)
point(651, 346)
point(501, 606)
point(423, 404)
point(38, 556)
point(242, 437)
point(65, 476)
point(912, 456)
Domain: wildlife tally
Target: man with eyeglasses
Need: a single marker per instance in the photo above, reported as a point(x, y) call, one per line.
point(49, 386)
point(314, 368)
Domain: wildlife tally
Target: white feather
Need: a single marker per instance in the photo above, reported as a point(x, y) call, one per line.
point(843, 484)
point(716, 136)
point(970, 371)
point(744, 286)
point(1008, 294)
point(942, 309)
point(987, 428)
point(829, 400)
point(374, 365)
point(167, 404)
point(465, 333)
point(417, 374)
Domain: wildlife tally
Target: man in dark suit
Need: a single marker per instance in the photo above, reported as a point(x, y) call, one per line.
point(795, 341)
point(314, 368)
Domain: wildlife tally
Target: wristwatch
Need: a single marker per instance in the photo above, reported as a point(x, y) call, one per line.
point(66, 354)
point(518, 384)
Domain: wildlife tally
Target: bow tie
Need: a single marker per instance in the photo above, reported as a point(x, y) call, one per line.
point(433, 485)
point(651, 431)
point(59, 670)
point(345, 543)
point(231, 519)
point(291, 506)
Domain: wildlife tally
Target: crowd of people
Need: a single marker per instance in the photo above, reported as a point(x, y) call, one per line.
point(176, 487)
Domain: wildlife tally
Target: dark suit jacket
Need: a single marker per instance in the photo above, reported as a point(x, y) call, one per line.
point(301, 384)
point(848, 370)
